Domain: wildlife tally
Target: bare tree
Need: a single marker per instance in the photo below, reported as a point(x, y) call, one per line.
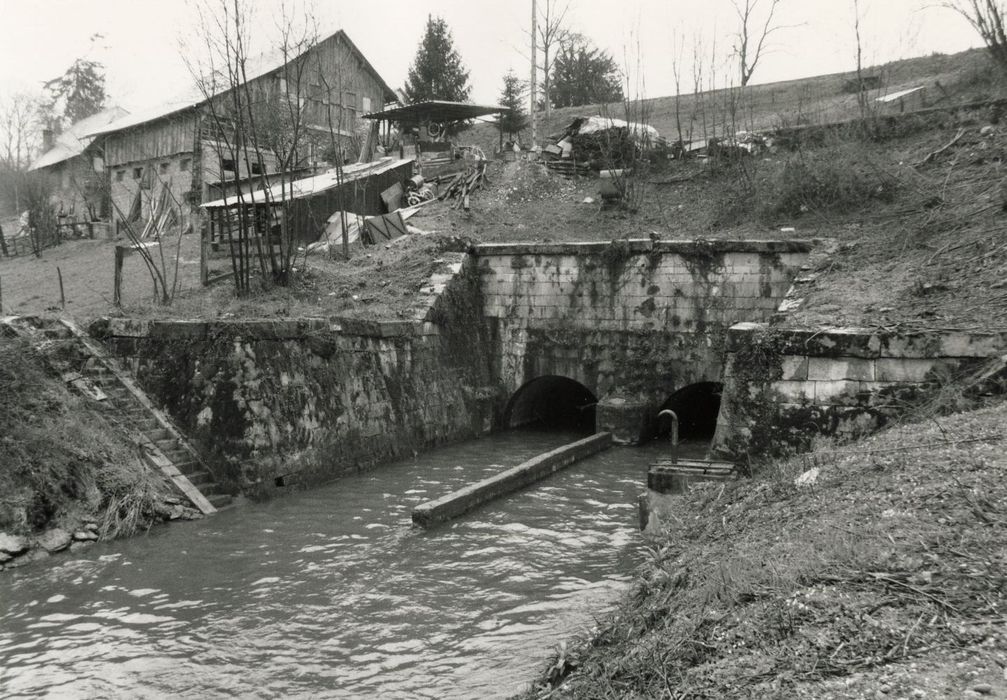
point(987, 18)
point(258, 122)
point(552, 30)
point(861, 93)
point(750, 41)
point(18, 130)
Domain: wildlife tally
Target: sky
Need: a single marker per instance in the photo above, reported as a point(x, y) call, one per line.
point(141, 39)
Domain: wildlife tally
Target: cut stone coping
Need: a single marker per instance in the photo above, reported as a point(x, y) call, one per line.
point(645, 245)
point(465, 499)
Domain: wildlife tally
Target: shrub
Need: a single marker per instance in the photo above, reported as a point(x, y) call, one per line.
point(825, 182)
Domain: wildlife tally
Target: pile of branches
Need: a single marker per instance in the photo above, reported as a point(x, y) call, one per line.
point(460, 185)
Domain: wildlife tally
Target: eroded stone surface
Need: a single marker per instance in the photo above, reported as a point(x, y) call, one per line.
point(12, 544)
point(54, 540)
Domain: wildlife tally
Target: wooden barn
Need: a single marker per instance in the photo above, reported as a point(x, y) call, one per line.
point(176, 156)
point(75, 165)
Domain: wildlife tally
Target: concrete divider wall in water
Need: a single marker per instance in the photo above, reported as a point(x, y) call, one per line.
point(465, 499)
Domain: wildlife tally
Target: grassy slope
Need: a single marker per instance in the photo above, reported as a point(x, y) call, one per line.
point(62, 459)
point(962, 77)
point(886, 576)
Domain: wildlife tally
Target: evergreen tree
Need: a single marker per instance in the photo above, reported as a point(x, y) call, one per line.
point(437, 72)
point(514, 120)
point(81, 89)
point(584, 75)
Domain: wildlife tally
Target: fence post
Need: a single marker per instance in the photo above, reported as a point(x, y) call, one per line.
point(117, 279)
point(62, 297)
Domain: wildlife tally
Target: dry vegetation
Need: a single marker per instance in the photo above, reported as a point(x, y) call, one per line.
point(921, 241)
point(62, 459)
point(886, 576)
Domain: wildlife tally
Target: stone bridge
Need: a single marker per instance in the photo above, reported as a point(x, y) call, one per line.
point(609, 333)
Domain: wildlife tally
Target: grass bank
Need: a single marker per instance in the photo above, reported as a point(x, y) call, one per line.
point(884, 575)
point(62, 460)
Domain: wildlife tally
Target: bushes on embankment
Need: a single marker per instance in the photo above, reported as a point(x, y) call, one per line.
point(62, 462)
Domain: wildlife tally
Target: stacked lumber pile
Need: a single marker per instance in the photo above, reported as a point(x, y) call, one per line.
point(162, 217)
point(460, 185)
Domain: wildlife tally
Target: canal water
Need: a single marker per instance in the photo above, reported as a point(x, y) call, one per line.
point(331, 593)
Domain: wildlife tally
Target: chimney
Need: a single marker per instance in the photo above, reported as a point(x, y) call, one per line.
point(48, 138)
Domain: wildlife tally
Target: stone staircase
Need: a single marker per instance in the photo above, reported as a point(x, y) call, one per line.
point(90, 370)
point(171, 445)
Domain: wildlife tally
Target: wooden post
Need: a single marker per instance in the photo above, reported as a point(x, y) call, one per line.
point(117, 280)
point(1, 297)
point(62, 297)
point(204, 269)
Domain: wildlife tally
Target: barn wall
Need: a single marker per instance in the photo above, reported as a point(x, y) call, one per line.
point(166, 172)
point(169, 136)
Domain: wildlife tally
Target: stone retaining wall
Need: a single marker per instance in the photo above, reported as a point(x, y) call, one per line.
point(785, 386)
point(276, 402)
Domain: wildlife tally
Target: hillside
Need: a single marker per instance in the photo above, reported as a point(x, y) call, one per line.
point(949, 79)
point(884, 576)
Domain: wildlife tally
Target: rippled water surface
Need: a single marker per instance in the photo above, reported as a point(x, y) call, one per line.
point(330, 593)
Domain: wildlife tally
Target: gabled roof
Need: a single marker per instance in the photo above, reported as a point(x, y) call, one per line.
point(255, 68)
point(77, 137)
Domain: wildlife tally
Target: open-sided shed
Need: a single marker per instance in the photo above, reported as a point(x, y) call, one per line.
point(310, 201)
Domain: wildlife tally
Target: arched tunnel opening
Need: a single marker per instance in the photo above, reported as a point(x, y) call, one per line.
point(696, 406)
point(552, 403)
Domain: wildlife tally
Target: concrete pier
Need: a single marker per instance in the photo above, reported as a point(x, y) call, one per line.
point(463, 500)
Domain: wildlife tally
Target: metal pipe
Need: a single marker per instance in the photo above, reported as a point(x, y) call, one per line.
point(674, 431)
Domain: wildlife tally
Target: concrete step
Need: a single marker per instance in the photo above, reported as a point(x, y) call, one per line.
point(156, 433)
point(167, 445)
point(220, 500)
point(200, 479)
point(178, 456)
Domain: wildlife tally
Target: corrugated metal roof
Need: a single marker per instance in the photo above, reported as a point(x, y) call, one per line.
point(310, 186)
point(900, 94)
point(436, 111)
point(76, 138)
point(256, 67)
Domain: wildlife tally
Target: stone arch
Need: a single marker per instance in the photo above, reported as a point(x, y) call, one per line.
point(553, 402)
point(696, 406)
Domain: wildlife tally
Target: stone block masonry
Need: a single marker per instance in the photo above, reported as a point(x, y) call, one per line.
point(784, 386)
point(634, 320)
point(282, 402)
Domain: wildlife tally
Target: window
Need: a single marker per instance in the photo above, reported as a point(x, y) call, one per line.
point(163, 168)
point(367, 104)
point(283, 86)
point(185, 164)
point(227, 164)
point(255, 168)
point(120, 175)
point(137, 173)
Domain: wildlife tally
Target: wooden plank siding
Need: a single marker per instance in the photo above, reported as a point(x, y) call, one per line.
point(181, 148)
point(159, 138)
